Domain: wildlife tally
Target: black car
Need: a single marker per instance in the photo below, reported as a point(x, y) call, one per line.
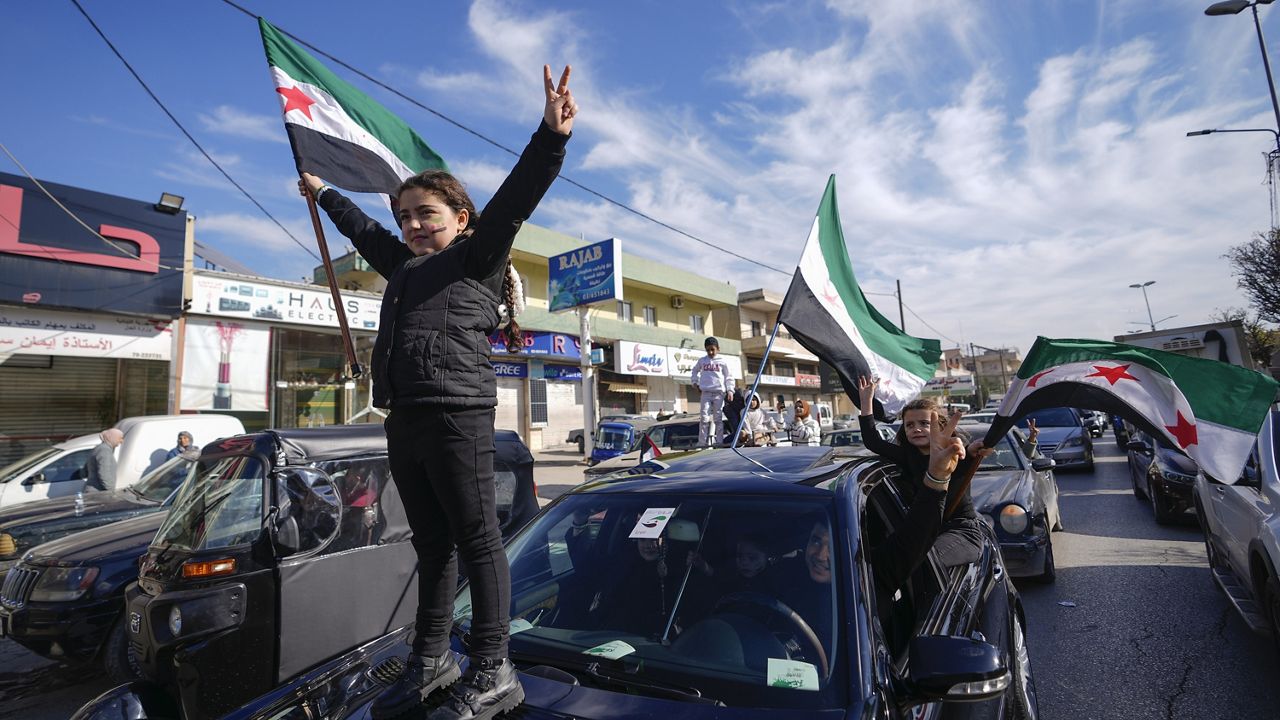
point(27, 525)
point(1162, 476)
point(727, 591)
point(1017, 495)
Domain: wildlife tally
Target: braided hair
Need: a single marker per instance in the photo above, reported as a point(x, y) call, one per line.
point(451, 190)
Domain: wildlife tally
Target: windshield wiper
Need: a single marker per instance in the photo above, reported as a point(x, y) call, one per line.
point(996, 467)
point(648, 686)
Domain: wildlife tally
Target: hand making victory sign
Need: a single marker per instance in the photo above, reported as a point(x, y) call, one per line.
point(945, 449)
point(561, 107)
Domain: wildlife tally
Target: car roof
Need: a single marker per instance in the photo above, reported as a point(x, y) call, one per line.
point(677, 419)
point(724, 470)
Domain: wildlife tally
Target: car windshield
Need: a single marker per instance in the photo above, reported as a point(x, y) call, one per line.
point(161, 482)
point(1007, 456)
point(733, 596)
point(842, 439)
point(19, 467)
point(220, 507)
point(1051, 417)
point(613, 438)
point(679, 436)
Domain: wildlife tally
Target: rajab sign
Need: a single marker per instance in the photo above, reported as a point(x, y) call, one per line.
point(585, 276)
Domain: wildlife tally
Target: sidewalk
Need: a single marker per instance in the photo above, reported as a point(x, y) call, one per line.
point(556, 470)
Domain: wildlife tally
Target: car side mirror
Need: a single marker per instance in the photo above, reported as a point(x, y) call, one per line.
point(1041, 464)
point(1138, 446)
point(309, 510)
point(953, 669)
point(35, 479)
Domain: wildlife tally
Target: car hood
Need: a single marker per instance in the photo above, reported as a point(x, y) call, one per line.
point(125, 537)
point(36, 523)
point(1055, 435)
point(1176, 461)
point(995, 488)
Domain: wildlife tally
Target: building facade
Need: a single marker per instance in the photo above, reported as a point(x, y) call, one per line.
point(790, 372)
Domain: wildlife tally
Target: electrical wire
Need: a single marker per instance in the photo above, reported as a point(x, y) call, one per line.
point(504, 148)
point(926, 324)
point(176, 122)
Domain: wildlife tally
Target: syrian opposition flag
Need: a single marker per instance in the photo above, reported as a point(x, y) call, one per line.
point(826, 312)
point(648, 450)
point(1209, 410)
point(337, 132)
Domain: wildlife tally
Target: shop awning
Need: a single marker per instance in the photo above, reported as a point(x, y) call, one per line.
point(628, 388)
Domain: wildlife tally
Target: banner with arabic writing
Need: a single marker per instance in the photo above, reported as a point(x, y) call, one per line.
point(32, 331)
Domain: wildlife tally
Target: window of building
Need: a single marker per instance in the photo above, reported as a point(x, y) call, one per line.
point(538, 398)
point(785, 369)
point(757, 328)
point(753, 364)
point(624, 311)
point(807, 369)
point(651, 316)
point(695, 323)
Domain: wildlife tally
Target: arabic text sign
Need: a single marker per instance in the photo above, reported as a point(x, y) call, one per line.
point(236, 297)
point(954, 385)
point(33, 331)
point(585, 276)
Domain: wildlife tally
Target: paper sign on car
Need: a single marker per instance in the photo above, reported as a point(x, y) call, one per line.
point(612, 650)
point(651, 523)
point(792, 674)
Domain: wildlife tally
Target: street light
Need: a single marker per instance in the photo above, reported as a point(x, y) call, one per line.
point(1234, 7)
point(1143, 288)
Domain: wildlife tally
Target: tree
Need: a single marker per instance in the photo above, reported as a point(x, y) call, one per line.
point(1262, 340)
point(1256, 265)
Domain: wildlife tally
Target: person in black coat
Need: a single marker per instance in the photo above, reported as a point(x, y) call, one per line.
point(445, 284)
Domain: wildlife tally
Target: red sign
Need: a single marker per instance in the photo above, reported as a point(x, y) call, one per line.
point(808, 381)
point(146, 260)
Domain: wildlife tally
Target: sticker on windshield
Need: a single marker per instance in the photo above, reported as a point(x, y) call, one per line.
point(616, 649)
point(792, 674)
point(651, 523)
point(519, 625)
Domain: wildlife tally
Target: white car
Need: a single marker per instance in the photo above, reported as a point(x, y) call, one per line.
point(1240, 524)
point(59, 470)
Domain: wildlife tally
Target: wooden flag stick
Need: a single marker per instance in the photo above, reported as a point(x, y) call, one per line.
point(352, 363)
point(964, 481)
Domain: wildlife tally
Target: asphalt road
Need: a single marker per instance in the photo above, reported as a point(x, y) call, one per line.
point(1149, 635)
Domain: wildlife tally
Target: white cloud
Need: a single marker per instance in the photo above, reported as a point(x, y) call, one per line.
point(227, 120)
point(255, 234)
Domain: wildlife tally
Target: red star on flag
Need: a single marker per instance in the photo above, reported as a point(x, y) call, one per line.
point(1037, 376)
point(295, 99)
point(1184, 432)
point(1113, 375)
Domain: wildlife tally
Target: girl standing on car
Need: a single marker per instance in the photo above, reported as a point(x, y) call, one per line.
point(957, 538)
point(430, 366)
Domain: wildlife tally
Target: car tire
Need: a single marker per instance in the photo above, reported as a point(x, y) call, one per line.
point(1088, 465)
point(1271, 606)
point(1160, 507)
point(1210, 554)
point(1050, 572)
point(117, 656)
point(1133, 480)
point(1023, 704)
point(582, 446)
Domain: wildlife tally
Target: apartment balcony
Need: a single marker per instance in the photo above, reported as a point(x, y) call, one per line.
point(783, 347)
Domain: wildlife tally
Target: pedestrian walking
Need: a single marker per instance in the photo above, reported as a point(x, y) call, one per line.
point(184, 441)
point(101, 468)
point(803, 428)
point(445, 284)
point(714, 380)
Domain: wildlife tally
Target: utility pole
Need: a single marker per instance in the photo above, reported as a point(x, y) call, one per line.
point(902, 319)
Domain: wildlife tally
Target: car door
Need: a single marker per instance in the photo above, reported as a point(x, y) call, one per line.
point(1140, 459)
point(63, 476)
point(1239, 509)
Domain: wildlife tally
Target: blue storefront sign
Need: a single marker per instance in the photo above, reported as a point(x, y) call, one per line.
point(587, 275)
point(506, 369)
point(541, 344)
point(562, 372)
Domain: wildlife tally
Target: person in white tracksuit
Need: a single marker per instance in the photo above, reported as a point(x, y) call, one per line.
point(712, 377)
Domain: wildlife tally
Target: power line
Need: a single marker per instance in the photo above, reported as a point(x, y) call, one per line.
point(207, 156)
point(926, 324)
point(504, 148)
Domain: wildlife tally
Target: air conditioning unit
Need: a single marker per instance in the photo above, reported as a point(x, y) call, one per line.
point(677, 301)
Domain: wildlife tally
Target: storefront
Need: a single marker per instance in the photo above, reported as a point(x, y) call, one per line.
point(270, 352)
point(539, 388)
point(661, 375)
point(85, 324)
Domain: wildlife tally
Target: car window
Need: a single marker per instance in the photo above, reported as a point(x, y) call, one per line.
point(222, 506)
point(161, 482)
point(69, 467)
point(613, 438)
point(1051, 417)
point(1007, 456)
point(360, 484)
point(686, 589)
point(17, 469)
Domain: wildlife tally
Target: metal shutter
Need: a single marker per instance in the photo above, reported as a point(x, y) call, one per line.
point(40, 405)
point(510, 412)
point(564, 410)
point(144, 387)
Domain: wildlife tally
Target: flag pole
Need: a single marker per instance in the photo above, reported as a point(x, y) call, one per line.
point(967, 478)
point(352, 363)
point(742, 419)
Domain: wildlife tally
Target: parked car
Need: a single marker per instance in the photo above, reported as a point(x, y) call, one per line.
point(598, 632)
point(679, 432)
point(1063, 437)
point(30, 524)
point(615, 437)
point(1161, 475)
point(1093, 421)
point(1017, 496)
point(1241, 525)
point(1120, 430)
point(59, 470)
point(576, 435)
point(844, 422)
point(980, 417)
point(853, 437)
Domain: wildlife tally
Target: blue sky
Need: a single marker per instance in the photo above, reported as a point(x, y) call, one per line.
point(1016, 164)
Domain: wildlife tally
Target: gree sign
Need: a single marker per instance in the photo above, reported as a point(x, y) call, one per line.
point(585, 276)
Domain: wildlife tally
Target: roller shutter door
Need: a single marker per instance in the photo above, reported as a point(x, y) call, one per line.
point(510, 414)
point(144, 387)
point(38, 405)
point(564, 410)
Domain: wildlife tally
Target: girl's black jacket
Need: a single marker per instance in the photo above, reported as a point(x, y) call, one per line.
point(439, 309)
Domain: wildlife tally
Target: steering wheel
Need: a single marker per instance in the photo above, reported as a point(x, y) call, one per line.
point(801, 628)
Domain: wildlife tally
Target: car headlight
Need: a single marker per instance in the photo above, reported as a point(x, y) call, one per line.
point(1013, 518)
point(59, 584)
point(1176, 476)
point(1073, 441)
point(175, 621)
